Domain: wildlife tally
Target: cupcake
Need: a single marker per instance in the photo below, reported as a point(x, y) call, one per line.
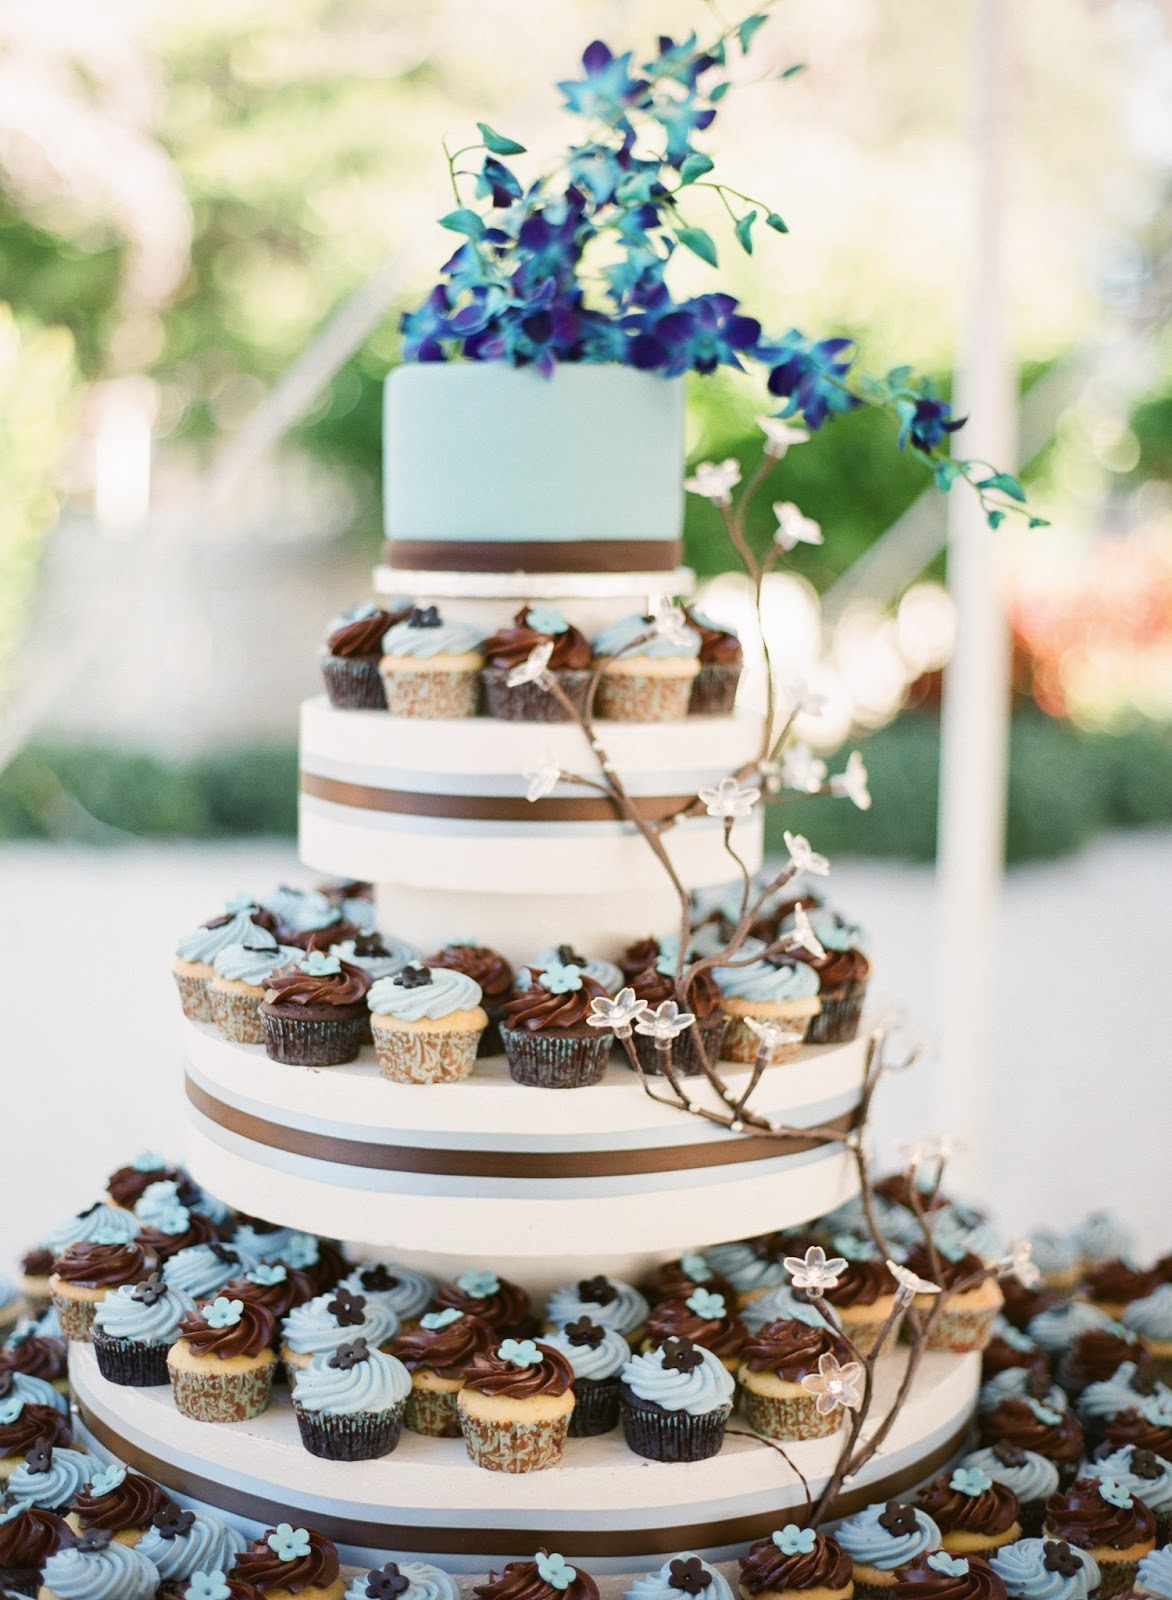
point(479, 1292)
point(567, 662)
point(597, 1356)
point(752, 1266)
point(779, 1305)
point(314, 1013)
point(676, 1402)
point(349, 1402)
point(36, 1267)
point(1045, 1569)
point(196, 952)
point(965, 1319)
point(1153, 1576)
point(1097, 1355)
point(1113, 1285)
point(289, 1561)
point(796, 1560)
point(676, 1280)
point(775, 1361)
point(221, 1366)
point(406, 1580)
point(863, 1297)
point(515, 1406)
point(311, 921)
point(644, 675)
point(202, 1270)
point(883, 1538)
point(28, 1537)
point(431, 668)
point(657, 983)
point(1030, 1476)
point(975, 1513)
point(351, 654)
point(50, 1477)
point(1008, 1347)
point(99, 1224)
point(126, 1186)
point(321, 1260)
point(492, 972)
point(1101, 1517)
point(181, 1543)
point(331, 1319)
point(1021, 1382)
point(1101, 1237)
point(705, 1319)
point(427, 1023)
point(547, 1577)
point(437, 1353)
point(374, 954)
point(26, 1419)
point(1127, 1387)
point(403, 1291)
point(174, 1229)
point(769, 989)
point(1058, 1326)
point(85, 1273)
point(93, 1566)
point(38, 1355)
point(1147, 1425)
point(1149, 1319)
point(134, 1329)
point(1032, 1426)
point(714, 688)
point(942, 1576)
point(1056, 1259)
point(240, 975)
point(280, 1289)
point(546, 1031)
point(1143, 1474)
point(843, 972)
point(122, 1502)
point(609, 1302)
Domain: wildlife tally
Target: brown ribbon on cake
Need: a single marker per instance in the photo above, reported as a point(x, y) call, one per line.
point(443, 1539)
point(489, 808)
point(534, 555)
point(543, 1164)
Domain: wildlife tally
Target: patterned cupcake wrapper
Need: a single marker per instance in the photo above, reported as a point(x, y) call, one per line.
point(840, 1016)
point(357, 1438)
point(193, 997)
point(430, 694)
point(962, 1331)
point(222, 1396)
point(685, 1055)
point(434, 1413)
point(515, 1446)
point(20, 1580)
point(409, 1055)
point(133, 1365)
point(552, 1061)
point(304, 1042)
point(353, 683)
point(530, 702)
point(714, 690)
point(661, 1435)
point(742, 1044)
point(788, 1417)
point(596, 1407)
point(76, 1318)
point(863, 1331)
point(1115, 1577)
point(237, 1015)
point(631, 697)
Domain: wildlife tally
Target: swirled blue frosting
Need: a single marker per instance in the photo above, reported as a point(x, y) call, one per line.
point(312, 1328)
point(377, 1384)
point(37, 1392)
point(1035, 1479)
point(246, 963)
point(627, 1311)
point(1052, 1253)
point(360, 909)
point(658, 1586)
point(1059, 1326)
point(1155, 1492)
point(448, 991)
point(603, 972)
point(408, 1297)
point(1101, 1401)
point(115, 1573)
point(741, 1265)
point(865, 1539)
point(607, 1360)
point(1022, 1569)
point(399, 952)
point(304, 910)
point(424, 1582)
point(1154, 1574)
point(205, 944)
point(617, 636)
point(69, 1472)
point(780, 1304)
point(768, 984)
point(1151, 1317)
point(1013, 1337)
point(199, 1271)
point(254, 1246)
point(1012, 1384)
point(1102, 1237)
point(121, 1316)
point(209, 1545)
point(705, 1388)
point(100, 1222)
point(424, 644)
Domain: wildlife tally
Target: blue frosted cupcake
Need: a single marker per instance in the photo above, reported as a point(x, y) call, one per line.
point(882, 1539)
point(431, 668)
point(99, 1223)
point(194, 965)
point(564, 955)
point(645, 675)
point(331, 1319)
point(774, 990)
point(1032, 1478)
point(1017, 1383)
point(349, 1403)
point(181, 1543)
point(1150, 1319)
point(1057, 1327)
point(95, 1568)
point(403, 1291)
point(424, 1582)
point(1057, 1258)
point(676, 1402)
point(752, 1266)
point(1153, 1576)
point(202, 1270)
point(50, 1478)
point(684, 1574)
point(240, 975)
point(426, 1023)
point(607, 1301)
point(597, 1357)
point(1126, 1389)
point(135, 1327)
point(1102, 1237)
point(1046, 1569)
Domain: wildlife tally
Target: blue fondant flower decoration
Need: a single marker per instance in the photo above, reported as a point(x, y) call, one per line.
point(707, 1305)
point(477, 1283)
point(268, 1274)
point(693, 1265)
point(208, 1586)
point(520, 1352)
point(546, 619)
point(555, 1569)
point(171, 1220)
point(794, 1541)
point(317, 964)
point(1115, 1494)
point(950, 1566)
point(301, 1250)
point(1043, 1413)
point(288, 1543)
point(109, 1478)
point(434, 1320)
point(148, 1161)
point(559, 979)
point(223, 1313)
point(970, 1480)
point(107, 1234)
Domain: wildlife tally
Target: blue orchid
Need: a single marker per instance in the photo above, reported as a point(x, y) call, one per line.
point(496, 181)
point(810, 374)
point(607, 87)
point(425, 329)
point(926, 422)
point(679, 120)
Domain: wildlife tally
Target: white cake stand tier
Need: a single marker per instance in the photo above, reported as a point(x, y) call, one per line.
point(604, 1505)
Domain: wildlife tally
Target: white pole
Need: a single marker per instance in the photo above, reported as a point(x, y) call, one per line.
point(975, 718)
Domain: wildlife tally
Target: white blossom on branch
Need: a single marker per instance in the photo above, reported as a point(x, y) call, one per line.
point(814, 1272)
point(793, 528)
point(618, 1014)
point(670, 622)
point(802, 699)
point(780, 435)
point(909, 1284)
point(665, 1023)
point(534, 666)
point(802, 936)
point(802, 770)
point(730, 799)
point(773, 1035)
point(851, 782)
point(542, 779)
point(715, 480)
point(1019, 1264)
point(802, 857)
point(838, 1387)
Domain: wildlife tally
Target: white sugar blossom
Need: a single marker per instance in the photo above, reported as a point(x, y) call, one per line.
point(802, 770)
point(780, 435)
point(670, 622)
point(618, 1014)
point(793, 528)
point(534, 666)
point(665, 1023)
point(730, 799)
point(814, 1272)
point(802, 936)
point(839, 1388)
point(802, 699)
point(543, 778)
point(909, 1284)
point(802, 857)
point(851, 782)
point(715, 480)
point(773, 1035)
point(1019, 1264)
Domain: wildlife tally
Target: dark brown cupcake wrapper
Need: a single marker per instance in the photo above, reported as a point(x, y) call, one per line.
point(840, 1016)
point(531, 702)
point(685, 1055)
point(555, 1060)
point(133, 1365)
point(661, 1435)
point(353, 683)
point(714, 689)
point(363, 1437)
point(596, 1407)
point(307, 1042)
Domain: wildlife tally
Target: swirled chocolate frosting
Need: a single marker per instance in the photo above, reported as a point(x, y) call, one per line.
point(1022, 1305)
point(104, 1266)
point(331, 1266)
point(521, 1580)
point(253, 1333)
point(278, 1298)
point(263, 1568)
point(1132, 1427)
point(322, 938)
point(999, 1356)
point(133, 1503)
point(37, 1263)
point(510, 646)
point(791, 1349)
point(1014, 1421)
point(364, 635)
point(34, 1422)
point(448, 1350)
point(199, 1230)
point(348, 986)
point(673, 1281)
point(1118, 1281)
point(947, 1273)
point(489, 1373)
point(538, 1010)
point(919, 1581)
point(837, 967)
point(639, 956)
point(1083, 1518)
point(673, 1319)
point(37, 1356)
point(826, 1566)
point(1097, 1355)
point(861, 1284)
point(718, 646)
point(506, 1308)
point(655, 987)
point(994, 1510)
point(476, 961)
point(31, 1537)
point(127, 1186)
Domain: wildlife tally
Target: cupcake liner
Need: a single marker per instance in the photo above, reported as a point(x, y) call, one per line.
point(489, 1043)
point(842, 1011)
point(1115, 1577)
point(1031, 1514)
point(353, 683)
point(531, 702)
point(236, 1015)
point(863, 1331)
point(556, 1058)
point(662, 1435)
point(430, 694)
point(685, 1055)
point(76, 1318)
point(434, 1413)
point(193, 996)
point(362, 1437)
point(633, 697)
point(134, 1365)
point(20, 1580)
point(596, 1407)
point(209, 1396)
point(742, 1044)
point(960, 1331)
point(415, 1055)
point(514, 1446)
point(714, 689)
point(312, 1041)
point(787, 1417)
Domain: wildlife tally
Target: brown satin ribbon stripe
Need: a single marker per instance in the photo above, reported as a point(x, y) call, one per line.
point(488, 808)
point(547, 1164)
point(534, 555)
point(443, 1539)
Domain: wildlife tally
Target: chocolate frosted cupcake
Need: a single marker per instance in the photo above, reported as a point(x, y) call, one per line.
point(196, 952)
point(515, 1406)
point(1150, 1321)
point(94, 1565)
point(684, 1574)
point(26, 1421)
point(644, 675)
point(1112, 1285)
point(36, 1266)
point(1032, 1426)
point(1031, 1477)
point(843, 973)
point(1143, 1474)
point(495, 976)
point(38, 1355)
point(607, 973)
point(314, 1014)
point(773, 989)
point(1019, 1383)
point(85, 1273)
point(942, 1576)
point(431, 668)
point(221, 1367)
point(134, 1329)
point(1127, 1388)
point(126, 1186)
point(351, 654)
point(427, 1023)
point(676, 1280)
point(240, 976)
point(882, 1539)
point(173, 1229)
point(350, 1402)
point(547, 1577)
point(1056, 1326)
point(567, 662)
point(1101, 1517)
point(181, 1543)
point(965, 1320)
point(774, 1363)
point(28, 1537)
point(273, 1285)
point(291, 1561)
point(546, 1032)
point(1009, 1348)
point(437, 1353)
point(597, 1356)
point(863, 1297)
point(122, 1502)
point(1147, 1425)
point(1097, 1355)
point(714, 688)
point(657, 983)
point(96, 1224)
point(481, 1293)
point(706, 1320)
point(331, 1319)
point(796, 1560)
point(676, 1402)
point(975, 1513)
point(607, 1301)
point(1046, 1569)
